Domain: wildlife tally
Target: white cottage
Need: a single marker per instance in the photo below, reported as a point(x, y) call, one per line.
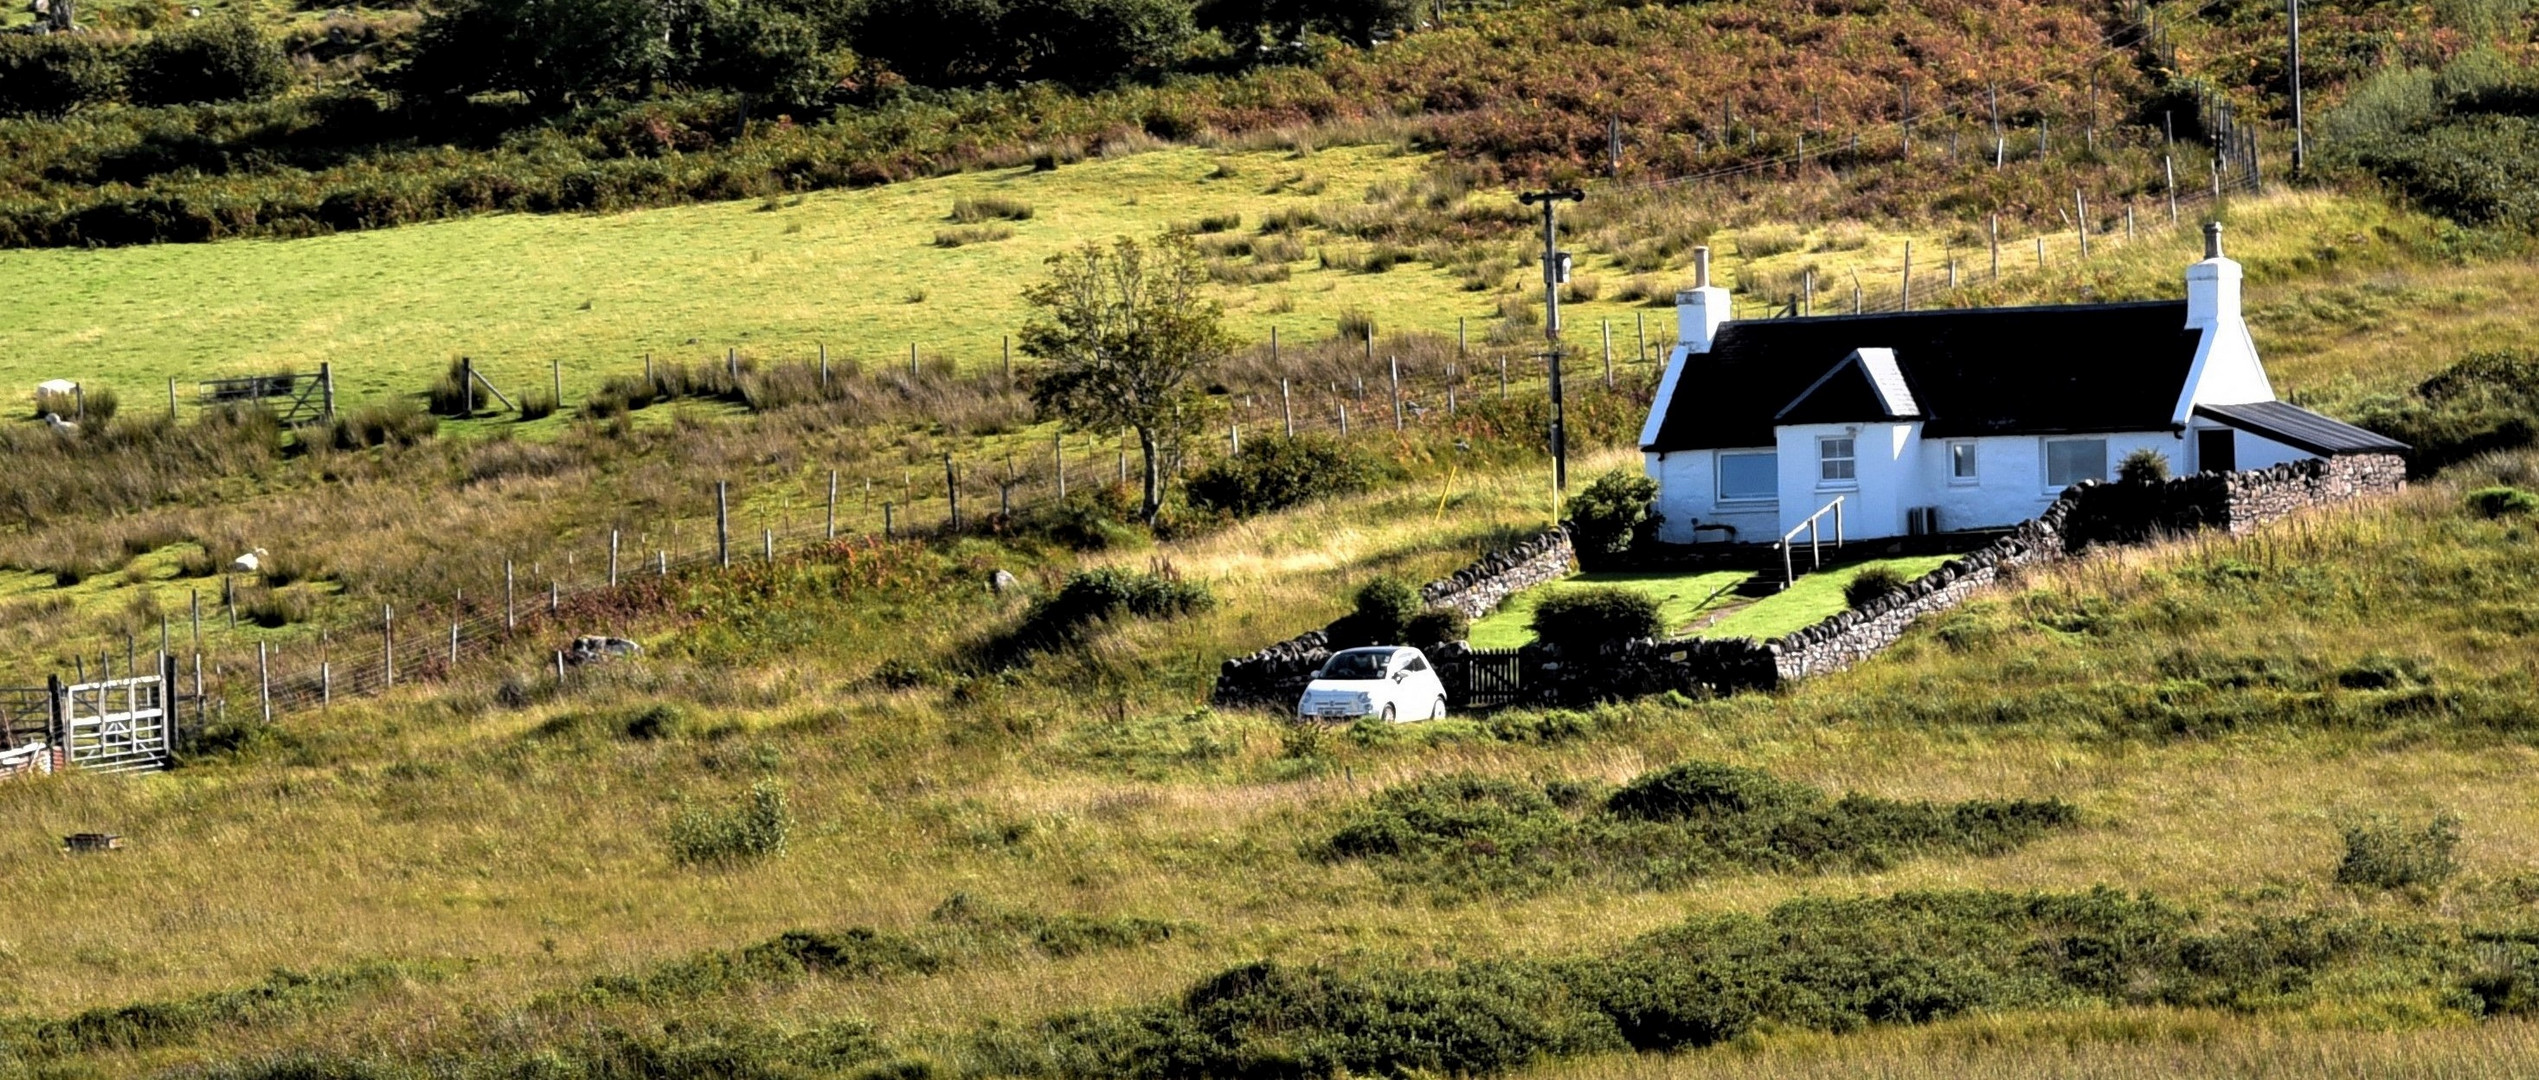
point(1944, 420)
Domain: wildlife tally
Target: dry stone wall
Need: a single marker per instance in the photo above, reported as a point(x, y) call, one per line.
point(1277, 675)
point(2085, 515)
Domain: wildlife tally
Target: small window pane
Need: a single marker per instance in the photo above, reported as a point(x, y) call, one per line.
point(1834, 457)
point(1749, 476)
point(2070, 461)
point(1961, 460)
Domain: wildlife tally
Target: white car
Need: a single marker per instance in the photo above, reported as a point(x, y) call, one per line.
point(1386, 681)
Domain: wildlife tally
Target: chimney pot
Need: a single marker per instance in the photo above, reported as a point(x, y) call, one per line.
point(1701, 267)
point(2212, 239)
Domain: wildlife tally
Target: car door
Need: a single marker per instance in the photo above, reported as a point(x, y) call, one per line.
point(1421, 692)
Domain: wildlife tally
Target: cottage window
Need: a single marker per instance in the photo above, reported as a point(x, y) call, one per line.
point(1961, 461)
point(1835, 462)
point(1749, 476)
point(2070, 461)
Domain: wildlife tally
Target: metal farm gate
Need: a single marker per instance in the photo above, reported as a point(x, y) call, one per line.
point(295, 399)
point(1492, 678)
point(116, 725)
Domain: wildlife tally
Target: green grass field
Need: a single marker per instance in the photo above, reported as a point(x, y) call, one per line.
point(857, 270)
point(1679, 596)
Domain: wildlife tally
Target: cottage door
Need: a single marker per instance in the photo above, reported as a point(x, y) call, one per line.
point(2216, 450)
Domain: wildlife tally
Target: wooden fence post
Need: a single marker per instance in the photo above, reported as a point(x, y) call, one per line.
point(1058, 456)
point(1286, 409)
point(388, 644)
point(1503, 378)
point(171, 399)
point(264, 682)
point(612, 557)
point(326, 684)
point(453, 643)
point(952, 491)
point(723, 523)
point(824, 367)
point(511, 616)
point(555, 372)
point(890, 527)
point(194, 599)
point(1904, 300)
point(555, 598)
point(833, 505)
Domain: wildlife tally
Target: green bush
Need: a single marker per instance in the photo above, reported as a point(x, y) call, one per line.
point(1437, 626)
point(53, 75)
point(1587, 618)
point(2502, 499)
point(2144, 466)
point(221, 58)
point(2383, 854)
point(655, 722)
point(1613, 516)
point(1463, 835)
point(456, 395)
point(1089, 596)
point(1381, 615)
point(2485, 401)
point(1871, 583)
point(756, 828)
point(1277, 473)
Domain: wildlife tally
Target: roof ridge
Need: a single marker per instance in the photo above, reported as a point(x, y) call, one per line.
point(2116, 305)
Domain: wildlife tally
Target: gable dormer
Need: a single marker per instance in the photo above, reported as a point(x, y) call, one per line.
point(1867, 385)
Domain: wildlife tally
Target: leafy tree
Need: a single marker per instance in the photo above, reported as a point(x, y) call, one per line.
point(916, 40)
point(52, 74)
point(1275, 473)
point(554, 52)
point(1125, 333)
point(1614, 515)
point(764, 52)
point(1088, 43)
point(224, 58)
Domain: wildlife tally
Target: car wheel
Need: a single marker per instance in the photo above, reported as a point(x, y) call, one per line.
point(1388, 713)
point(1438, 711)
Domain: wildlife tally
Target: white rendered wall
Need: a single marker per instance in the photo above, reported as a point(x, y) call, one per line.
point(1885, 469)
point(1688, 494)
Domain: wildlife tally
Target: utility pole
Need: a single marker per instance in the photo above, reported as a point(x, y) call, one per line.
point(1555, 273)
point(2300, 147)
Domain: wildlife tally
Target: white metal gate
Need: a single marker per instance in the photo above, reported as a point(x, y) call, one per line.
point(118, 725)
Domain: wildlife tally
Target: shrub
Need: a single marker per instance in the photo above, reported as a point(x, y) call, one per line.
point(538, 405)
point(2502, 499)
point(755, 828)
point(221, 58)
point(972, 234)
point(972, 211)
point(2383, 854)
point(2143, 466)
point(1437, 626)
point(1698, 789)
point(398, 422)
point(1588, 618)
point(1355, 325)
point(1613, 516)
point(655, 722)
point(1277, 473)
point(1090, 596)
point(1871, 583)
point(456, 395)
point(1381, 614)
point(51, 75)
point(277, 608)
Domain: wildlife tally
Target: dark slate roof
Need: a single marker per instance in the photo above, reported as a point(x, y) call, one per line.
point(2295, 426)
point(1973, 371)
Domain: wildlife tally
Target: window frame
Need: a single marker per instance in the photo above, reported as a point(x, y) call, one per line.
point(1974, 474)
point(1825, 461)
point(1719, 478)
point(2045, 449)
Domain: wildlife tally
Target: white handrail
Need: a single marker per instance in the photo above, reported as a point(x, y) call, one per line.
point(1815, 552)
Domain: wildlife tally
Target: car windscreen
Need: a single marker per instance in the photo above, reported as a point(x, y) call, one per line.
point(1357, 664)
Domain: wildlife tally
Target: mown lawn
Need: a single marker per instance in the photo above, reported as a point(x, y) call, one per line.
point(1812, 599)
point(1680, 599)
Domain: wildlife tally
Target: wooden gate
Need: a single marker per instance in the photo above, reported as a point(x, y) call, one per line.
point(295, 399)
point(116, 725)
point(1492, 678)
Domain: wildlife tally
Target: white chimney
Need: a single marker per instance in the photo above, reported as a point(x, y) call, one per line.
point(2212, 286)
point(1700, 310)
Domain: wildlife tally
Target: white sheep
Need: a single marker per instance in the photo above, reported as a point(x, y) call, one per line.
point(248, 563)
point(61, 427)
